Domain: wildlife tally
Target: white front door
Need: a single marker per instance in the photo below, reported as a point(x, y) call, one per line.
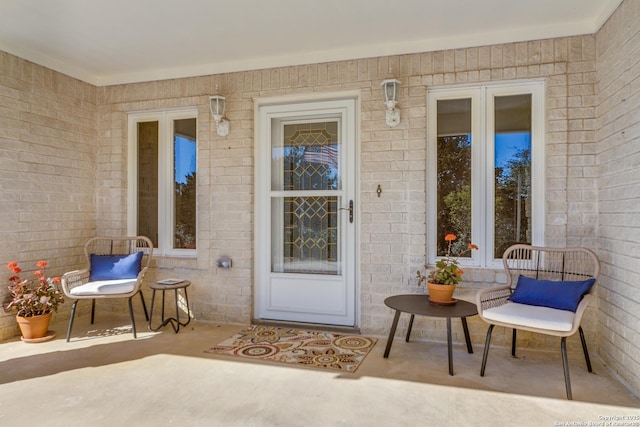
point(305, 212)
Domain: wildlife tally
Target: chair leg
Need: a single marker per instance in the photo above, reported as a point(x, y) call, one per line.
point(487, 341)
point(584, 349)
point(73, 313)
point(513, 342)
point(93, 310)
point(565, 366)
point(144, 307)
point(133, 320)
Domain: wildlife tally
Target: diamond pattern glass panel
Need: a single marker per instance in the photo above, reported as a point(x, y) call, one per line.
point(307, 160)
point(310, 235)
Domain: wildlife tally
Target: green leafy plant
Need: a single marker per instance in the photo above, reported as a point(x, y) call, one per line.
point(33, 297)
point(446, 271)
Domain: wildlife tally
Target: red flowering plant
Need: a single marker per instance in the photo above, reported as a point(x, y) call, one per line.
point(447, 270)
point(35, 296)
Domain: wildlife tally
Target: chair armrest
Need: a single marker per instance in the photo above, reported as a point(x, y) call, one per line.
point(141, 275)
point(582, 307)
point(492, 297)
point(72, 279)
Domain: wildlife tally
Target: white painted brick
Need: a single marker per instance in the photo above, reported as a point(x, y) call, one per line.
point(617, 46)
point(56, 212)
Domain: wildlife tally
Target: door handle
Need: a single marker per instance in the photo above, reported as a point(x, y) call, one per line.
point(350, 209)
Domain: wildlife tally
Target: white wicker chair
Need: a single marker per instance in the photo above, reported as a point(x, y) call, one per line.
point(556, 264)
point(77, 284)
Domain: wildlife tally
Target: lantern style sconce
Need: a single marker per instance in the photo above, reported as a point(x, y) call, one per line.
point(217, 104)
point(390, 90)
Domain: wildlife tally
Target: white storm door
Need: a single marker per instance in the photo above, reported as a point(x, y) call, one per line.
point(306, 213)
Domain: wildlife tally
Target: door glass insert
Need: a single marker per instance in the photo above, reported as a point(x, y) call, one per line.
point(306, 158)
point(305, 226)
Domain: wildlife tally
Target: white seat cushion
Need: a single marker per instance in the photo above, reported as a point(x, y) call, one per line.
point(105, 287)
point(532, 316)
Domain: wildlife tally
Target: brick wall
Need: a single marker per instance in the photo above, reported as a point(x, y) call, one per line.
point(618, 160)
point(392, 228)
point(47, 162)
point(392, 239)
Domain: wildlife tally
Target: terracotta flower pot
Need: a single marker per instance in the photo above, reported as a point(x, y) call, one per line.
point(34, 327)
point(441, 294)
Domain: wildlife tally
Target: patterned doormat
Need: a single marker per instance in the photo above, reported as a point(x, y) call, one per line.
point(298, 347)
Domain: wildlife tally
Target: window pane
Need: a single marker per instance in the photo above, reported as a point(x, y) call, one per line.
point(147, 221)
point(512, 171)
point(454, 173)
point(307, 157)
point(184, 173)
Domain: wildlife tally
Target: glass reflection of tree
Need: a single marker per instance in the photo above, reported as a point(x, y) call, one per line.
point(185, 213)
point(513, 198)
point(454, 191)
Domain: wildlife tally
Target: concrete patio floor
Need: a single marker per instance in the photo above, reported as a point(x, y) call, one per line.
point(104, 377)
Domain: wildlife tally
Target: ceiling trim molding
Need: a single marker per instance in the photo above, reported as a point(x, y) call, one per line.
point(371, 49)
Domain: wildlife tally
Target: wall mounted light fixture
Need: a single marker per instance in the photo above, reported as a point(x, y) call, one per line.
point(217, 104)
point(390, 90)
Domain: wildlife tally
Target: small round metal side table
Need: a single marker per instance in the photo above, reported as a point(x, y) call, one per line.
point(167, 285)
point(420, 305)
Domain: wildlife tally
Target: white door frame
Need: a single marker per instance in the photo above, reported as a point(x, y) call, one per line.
point(301, 105)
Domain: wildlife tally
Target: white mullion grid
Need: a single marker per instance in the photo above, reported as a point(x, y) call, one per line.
point(166, 213)
point(164, 184)
point(479, 196)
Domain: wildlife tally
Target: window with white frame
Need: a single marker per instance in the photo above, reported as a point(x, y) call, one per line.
point(162, 179)
point(485, 169)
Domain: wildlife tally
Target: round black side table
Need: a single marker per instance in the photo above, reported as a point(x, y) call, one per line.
point(419, 304)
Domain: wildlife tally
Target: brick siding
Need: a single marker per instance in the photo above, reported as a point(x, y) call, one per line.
point(618, 218)
point(47, 163)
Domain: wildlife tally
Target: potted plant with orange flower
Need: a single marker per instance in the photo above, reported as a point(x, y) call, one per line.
point(442, 280)
point(34, 300)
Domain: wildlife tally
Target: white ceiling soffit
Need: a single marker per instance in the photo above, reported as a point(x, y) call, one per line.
point(122, 41)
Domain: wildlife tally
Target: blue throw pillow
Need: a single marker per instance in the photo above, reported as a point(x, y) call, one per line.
point(563, 295)
point(114, 267)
